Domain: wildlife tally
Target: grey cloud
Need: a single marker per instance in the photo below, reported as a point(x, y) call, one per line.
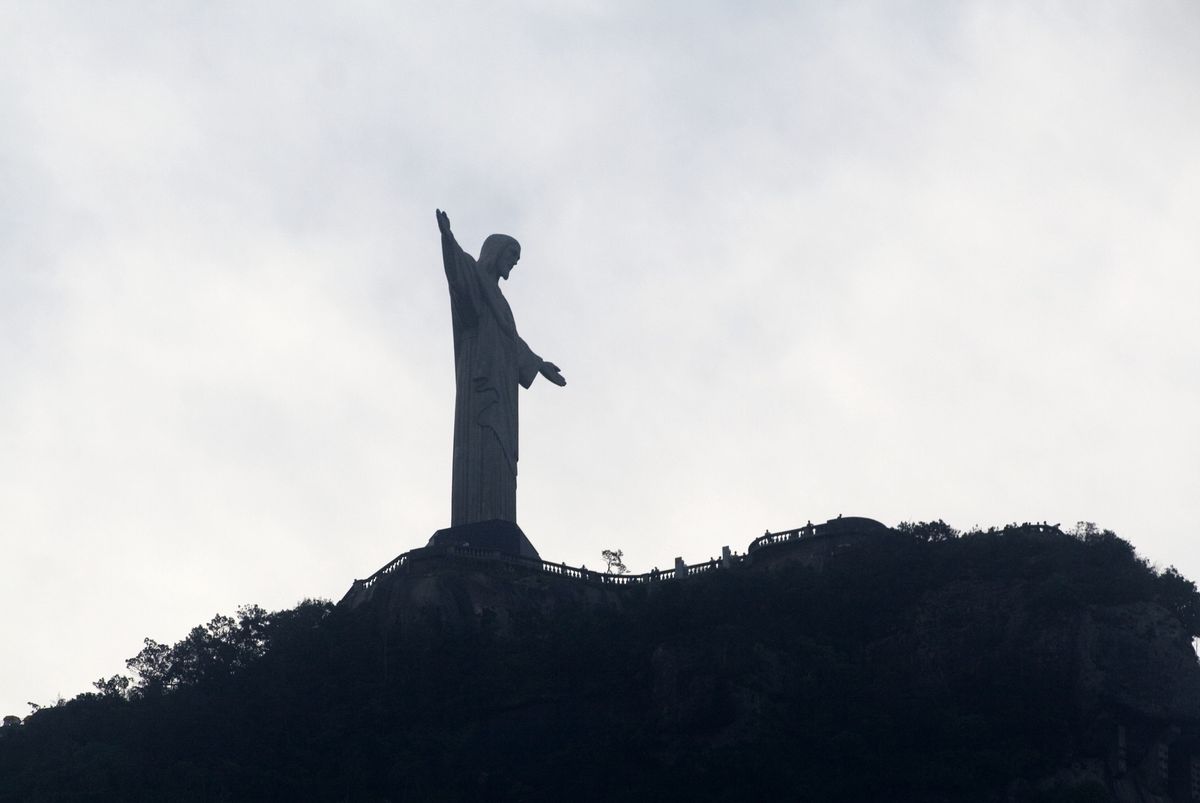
point(795, 261)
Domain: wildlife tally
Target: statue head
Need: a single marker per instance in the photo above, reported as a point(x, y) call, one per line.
point(499, 255)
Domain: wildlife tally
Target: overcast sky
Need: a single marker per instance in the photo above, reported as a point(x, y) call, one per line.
point(898, 260)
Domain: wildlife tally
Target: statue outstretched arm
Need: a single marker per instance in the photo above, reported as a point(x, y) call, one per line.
point(529, 365)
point(452, 253)
point(443, 223)
point(458, 266)
point(552, 372)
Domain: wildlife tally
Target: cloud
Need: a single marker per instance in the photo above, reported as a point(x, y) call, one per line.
point(794, 262)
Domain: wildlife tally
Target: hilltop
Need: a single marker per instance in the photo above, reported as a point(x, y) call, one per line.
point(914, 664)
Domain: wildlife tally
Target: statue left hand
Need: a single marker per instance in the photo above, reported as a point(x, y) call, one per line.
point(443, 221)
point(551, 372)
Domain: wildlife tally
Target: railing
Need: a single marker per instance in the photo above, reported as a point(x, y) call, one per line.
point(363, 585)
point(768, 538)
point(849, 526)
point(560, 569)
point(701, 568)
point(584, 574)
point(581, 573)
point(631, 579)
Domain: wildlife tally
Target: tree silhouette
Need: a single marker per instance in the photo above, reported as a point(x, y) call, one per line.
point(932, 531)
point(614, 562)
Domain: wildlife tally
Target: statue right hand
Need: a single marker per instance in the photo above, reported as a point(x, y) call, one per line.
point(551, 372)
point(443, 222)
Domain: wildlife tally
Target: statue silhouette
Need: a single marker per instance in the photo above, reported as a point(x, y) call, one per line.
point(490, 360)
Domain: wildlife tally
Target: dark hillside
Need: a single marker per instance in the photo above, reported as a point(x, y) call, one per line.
point(1011, 665)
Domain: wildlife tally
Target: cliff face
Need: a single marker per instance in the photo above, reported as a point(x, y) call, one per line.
point(1132, 657)
point(1010, 667)
point(1121, 680)
point(905, 659)
point(1138, 658)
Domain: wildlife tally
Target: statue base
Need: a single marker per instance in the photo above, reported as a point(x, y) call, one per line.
point(496, 534)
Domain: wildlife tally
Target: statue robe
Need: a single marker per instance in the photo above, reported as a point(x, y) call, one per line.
point(490, 360)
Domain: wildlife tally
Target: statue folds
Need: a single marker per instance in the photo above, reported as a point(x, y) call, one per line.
point(490, 359)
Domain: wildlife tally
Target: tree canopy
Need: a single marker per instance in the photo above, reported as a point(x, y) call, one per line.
point(924, 667)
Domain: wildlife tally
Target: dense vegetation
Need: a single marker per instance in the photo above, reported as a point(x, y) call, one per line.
point(901, 671)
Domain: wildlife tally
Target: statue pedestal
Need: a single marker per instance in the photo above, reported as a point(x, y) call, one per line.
point(496, 534)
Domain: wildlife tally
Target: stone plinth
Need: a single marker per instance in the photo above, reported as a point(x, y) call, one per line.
point(497, 534)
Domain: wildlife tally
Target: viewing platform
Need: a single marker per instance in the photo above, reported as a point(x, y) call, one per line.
point(811, 544)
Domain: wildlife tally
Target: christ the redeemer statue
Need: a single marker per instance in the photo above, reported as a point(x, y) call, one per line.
point(490, 360)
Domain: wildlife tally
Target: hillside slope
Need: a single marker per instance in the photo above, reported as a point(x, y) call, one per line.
point(1012, 665)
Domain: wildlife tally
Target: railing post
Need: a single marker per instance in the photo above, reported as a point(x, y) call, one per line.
point(726, 557)
point(680, 569)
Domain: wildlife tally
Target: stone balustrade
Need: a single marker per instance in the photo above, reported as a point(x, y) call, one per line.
point(681, 569)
